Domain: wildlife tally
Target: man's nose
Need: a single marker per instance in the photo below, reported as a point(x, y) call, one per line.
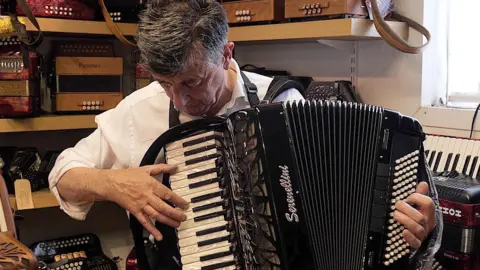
point(179, 99)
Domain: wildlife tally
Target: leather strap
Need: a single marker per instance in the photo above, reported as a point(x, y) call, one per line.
point(22, 30)
point(113, 26)
point(391, 37)
point(251, 90)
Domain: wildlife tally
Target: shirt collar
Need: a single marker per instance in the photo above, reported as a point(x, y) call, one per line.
point(238, 89)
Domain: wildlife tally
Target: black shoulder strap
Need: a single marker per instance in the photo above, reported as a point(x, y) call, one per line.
point(279, 85)
point(251, 90)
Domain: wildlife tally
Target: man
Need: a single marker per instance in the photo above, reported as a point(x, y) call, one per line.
point(184, 46)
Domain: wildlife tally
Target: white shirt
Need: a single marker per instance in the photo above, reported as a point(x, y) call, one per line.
point(126, 132)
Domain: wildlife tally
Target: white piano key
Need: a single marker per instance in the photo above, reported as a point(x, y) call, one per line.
point(189, 197)
point(192, 231)
point(187, 190)
point(448, 148)
point(197, 239)
point(182, 159)
point(450, 153)
point(179, 144)
point(474, 153)
point(188, 224)
point(195, 248)
point(466, 152)
point(438, 149)
point(200, 265)
point(181, 151)
point(461, 152)
point(185, 182)
point(432, 147)
point(202, 165)
point(456, 148)
point(428, 142)
point(182, 175)
point(196, 257)
point(475, 171)
point(191, 214)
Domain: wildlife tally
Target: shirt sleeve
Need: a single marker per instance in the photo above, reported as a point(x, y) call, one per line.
point(98, 150)
point(289, 95)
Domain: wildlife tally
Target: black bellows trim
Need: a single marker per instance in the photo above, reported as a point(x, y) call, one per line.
point(335, 147)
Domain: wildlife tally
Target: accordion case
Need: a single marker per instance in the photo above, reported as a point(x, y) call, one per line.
point(303, 185)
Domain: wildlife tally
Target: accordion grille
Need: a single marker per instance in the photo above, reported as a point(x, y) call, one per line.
point(335, 148)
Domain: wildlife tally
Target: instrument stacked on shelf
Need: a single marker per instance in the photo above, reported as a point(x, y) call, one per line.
point(19, 80)
point(252, 180)
point(455, 162)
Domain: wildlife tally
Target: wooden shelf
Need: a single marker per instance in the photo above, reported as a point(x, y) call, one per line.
point(339, 29)
point(55, 25)
point(343, 29)
point(50, 122)
point(41, 199)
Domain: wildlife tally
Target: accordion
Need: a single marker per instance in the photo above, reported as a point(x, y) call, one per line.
point(296, 185)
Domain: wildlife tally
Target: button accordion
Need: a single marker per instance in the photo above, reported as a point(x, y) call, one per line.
point(455, 164)
point(300, 185)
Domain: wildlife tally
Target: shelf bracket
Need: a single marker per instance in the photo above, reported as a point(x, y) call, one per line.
point(343, 45)
point(350, 47)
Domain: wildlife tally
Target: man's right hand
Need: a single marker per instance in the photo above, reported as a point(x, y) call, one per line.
point(138, 192)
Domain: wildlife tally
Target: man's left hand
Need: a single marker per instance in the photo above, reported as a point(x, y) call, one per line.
point(418, 221)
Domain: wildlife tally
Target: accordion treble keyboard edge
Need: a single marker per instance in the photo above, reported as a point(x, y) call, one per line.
point(309, 185)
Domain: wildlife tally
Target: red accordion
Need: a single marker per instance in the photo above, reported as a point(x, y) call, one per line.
point(67, 9)
point(19, 85)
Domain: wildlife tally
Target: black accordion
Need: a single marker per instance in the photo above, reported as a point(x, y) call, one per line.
point(301, 185)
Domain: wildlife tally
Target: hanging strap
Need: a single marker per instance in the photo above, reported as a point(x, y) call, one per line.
point(391, 37)
point(251, 90)
point(113, 26)
point(173, 116)
point(279, 86)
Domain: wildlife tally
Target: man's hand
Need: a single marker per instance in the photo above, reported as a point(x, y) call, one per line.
point(418, 221)
point(138, 192)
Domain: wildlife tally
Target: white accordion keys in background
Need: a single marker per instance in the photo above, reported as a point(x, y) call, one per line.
point(451, 154)
point(204, 238)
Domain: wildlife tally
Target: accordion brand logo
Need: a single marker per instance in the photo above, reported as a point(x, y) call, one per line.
point(286, 183)
point(451, 212)
point(82, 65)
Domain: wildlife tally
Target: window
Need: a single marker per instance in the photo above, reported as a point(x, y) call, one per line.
point(463, 54)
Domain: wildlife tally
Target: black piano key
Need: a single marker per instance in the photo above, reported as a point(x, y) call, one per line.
point(200, 159)
point(211, 230)
point(199, 150)
point(204, 183)
point(206, 197)
point(467, 161)
point(218, 265)
point(455, 162)
point(472, 168)
point(215, 256)
point(207, 206)
point(202, 173)
point(447, 164)
point(199, 140)
point(430, 161)
point(426, 152)
point(213, 241)
point(209, 216)
point(437, 162)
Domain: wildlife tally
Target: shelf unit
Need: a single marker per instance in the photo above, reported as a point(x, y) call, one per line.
point(343, 29)
point(48, 122)
point(41, 199)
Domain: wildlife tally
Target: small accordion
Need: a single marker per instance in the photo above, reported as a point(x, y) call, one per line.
point(295, 185)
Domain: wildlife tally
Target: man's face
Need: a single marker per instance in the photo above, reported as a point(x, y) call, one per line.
point(197, 90)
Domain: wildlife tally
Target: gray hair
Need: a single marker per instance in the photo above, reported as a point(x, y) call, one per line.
point(171, 33)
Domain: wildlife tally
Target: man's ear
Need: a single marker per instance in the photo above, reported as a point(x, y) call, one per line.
point(227, 55)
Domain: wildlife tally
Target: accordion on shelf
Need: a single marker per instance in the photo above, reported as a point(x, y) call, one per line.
point(66, 9)
point(19, 80)
point(302, 185)
point(455, 164)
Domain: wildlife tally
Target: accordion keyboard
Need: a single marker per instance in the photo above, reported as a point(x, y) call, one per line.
point(450, 154)
point(205, 238)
